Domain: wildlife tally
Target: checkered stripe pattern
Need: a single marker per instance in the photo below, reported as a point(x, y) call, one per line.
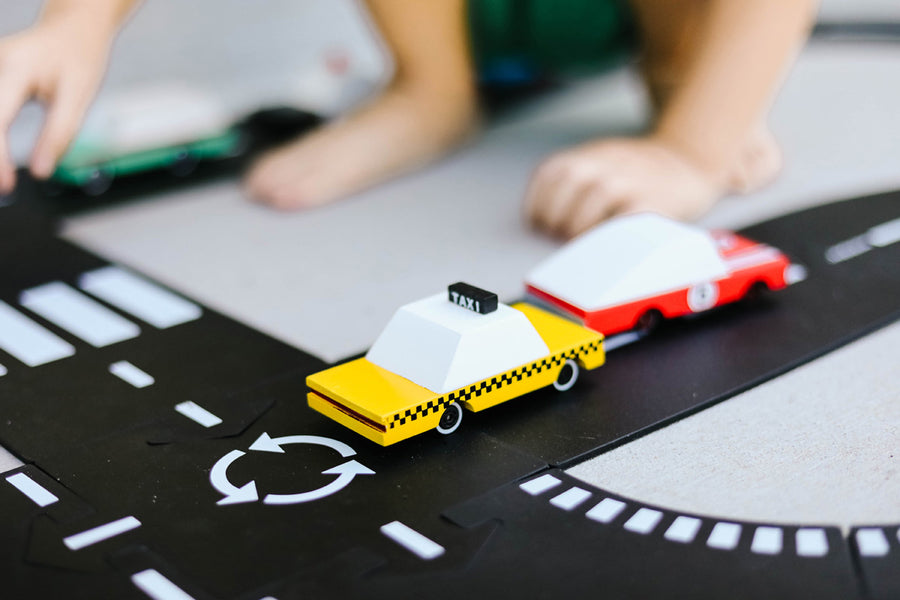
point(494, 383)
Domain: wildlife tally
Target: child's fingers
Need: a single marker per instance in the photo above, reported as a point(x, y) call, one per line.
point(598, 206)
point(67, 107)
point(14, 94)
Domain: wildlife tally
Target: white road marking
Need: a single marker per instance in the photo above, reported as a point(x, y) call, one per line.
point(129, 373)
point(884, 234)
point(28, 341)
point(539, 485)
point(872, 542)
point(811, 542)
point(103, 532)
point(683, 529)
point(3, 371)
point(622, 339)
point(345, 472)
point(197, 413)
point(847, 249)
point(643, 521)
point(724, 536)
point(412, 540)
point(139, 297)
point(158, 587)
point(35, 491)
point(570, 499)
point(767, 540)
point(218, 477)
point(606, 510)
point(79, 315)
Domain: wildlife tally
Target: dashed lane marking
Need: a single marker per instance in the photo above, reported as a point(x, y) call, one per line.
point(158, 587)
point(129, 373)
point(539, 485)
point(412, 540)
point(35, 491)
point(198, 414)
point(98, 534)
point(570, 499)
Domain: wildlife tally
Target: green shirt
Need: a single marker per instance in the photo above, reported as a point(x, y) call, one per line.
point(518, 40)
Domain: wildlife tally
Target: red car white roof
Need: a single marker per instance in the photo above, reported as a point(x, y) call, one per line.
point(629, 258)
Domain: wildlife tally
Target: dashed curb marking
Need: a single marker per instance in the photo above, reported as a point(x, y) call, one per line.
point(724, 536)
point(606, 510)
point(810, 542)
point(872, 542)
point(683, 529)
point(539, 485)
point(571, 498)
point(644, 521)
point(767, 540)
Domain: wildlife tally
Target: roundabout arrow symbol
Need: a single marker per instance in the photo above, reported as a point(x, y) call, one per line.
point(218, 477)
point(266, 444)
point(345, 472)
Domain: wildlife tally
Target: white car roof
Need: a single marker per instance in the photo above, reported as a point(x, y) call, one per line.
point(443, 347)
point(627, 259)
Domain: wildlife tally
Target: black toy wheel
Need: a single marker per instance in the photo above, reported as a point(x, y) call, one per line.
point(756, 292)
point(567, 377)
point(184, 164)
point(450, 419)
point(648, 321)
point(98, 182)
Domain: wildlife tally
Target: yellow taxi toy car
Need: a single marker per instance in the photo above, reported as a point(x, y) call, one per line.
point(441, 353)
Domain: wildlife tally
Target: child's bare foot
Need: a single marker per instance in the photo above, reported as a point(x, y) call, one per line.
point(397, 133)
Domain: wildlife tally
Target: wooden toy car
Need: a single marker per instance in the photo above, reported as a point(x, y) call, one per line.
point(163, 126)
point(633, 271)
point(445, 352)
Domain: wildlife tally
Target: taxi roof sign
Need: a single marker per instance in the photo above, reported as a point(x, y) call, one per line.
point(472, 298)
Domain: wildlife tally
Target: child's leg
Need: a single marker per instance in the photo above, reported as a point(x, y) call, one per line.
point(669, 46)
point(712, 68)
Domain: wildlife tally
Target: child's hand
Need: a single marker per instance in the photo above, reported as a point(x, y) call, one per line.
point(59, 62)
point(576, 189)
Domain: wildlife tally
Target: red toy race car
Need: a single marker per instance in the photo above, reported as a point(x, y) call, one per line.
point(631, 272)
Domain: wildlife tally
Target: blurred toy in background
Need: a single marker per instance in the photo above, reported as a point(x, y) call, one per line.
point(633, 271)
point(168, 126)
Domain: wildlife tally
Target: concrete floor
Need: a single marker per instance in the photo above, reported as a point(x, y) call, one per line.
point(793, 450)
